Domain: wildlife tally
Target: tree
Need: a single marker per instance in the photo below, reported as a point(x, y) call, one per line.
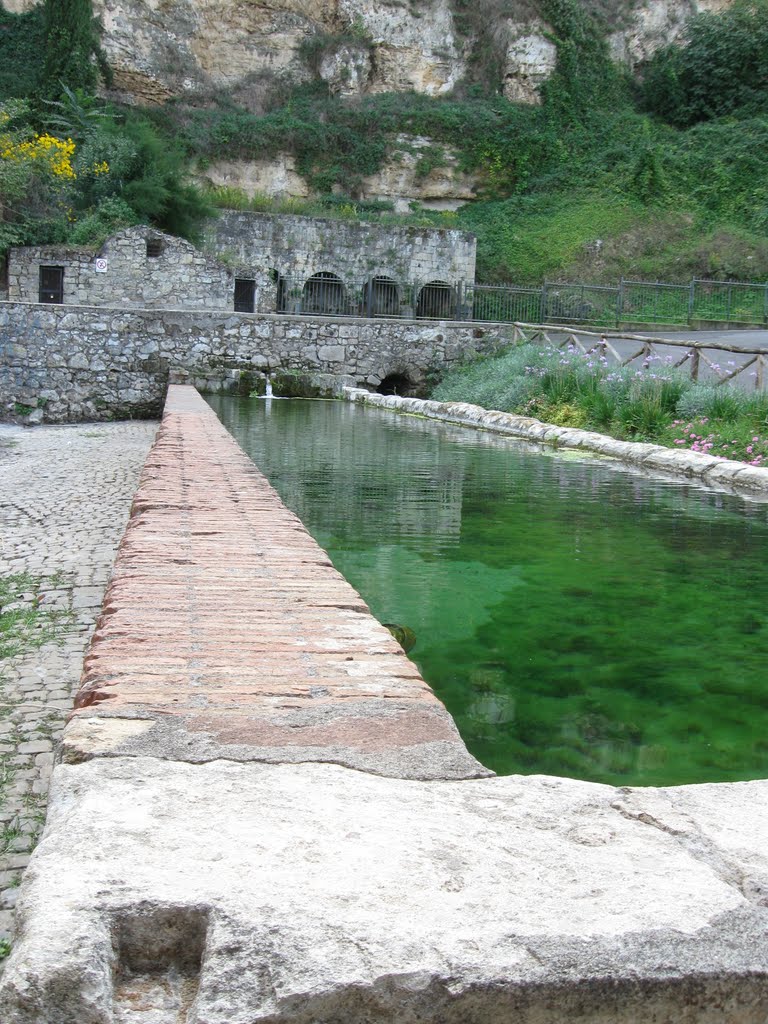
point(73, 55)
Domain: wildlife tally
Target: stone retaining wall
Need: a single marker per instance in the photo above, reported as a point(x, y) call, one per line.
point(66, 363)
point(202, 863)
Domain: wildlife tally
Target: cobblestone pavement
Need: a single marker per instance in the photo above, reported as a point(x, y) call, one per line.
point(65, 494)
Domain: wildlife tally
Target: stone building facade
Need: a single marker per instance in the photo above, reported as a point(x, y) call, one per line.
point(262, 263)
point(354, 268)
point(138, 267)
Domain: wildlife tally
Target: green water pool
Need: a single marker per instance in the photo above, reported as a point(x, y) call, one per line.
point(576, 619)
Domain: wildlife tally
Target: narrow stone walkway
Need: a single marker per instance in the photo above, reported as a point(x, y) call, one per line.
point(228, 633)
point(65, 495)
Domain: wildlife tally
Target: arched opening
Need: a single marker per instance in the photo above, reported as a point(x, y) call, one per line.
point(325, 294)
point(382, 297)
point(395, 384)
point(436, 301)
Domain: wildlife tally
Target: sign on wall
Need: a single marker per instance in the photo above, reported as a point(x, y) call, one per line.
point(100, 265)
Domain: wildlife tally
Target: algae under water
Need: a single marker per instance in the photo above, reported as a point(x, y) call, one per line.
point(575, 618)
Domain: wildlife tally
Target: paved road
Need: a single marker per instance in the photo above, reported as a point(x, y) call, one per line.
point(65, 494)
point(745, 339)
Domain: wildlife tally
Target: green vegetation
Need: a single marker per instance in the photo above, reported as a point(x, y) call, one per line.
point(722, 70)
point(25, 622)
point(73, 55)
point(652, 402)
point(73, 169)
point(22, 47)
point(663, 180)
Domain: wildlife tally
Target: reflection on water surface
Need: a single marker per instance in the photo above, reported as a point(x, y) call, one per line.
point(575, 619)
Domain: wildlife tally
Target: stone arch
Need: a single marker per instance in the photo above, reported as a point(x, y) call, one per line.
point(398, 383)
point(436, 301)
point(381, 297)
point(324, 293)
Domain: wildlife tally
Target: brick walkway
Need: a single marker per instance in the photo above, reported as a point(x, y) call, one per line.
point(227, 632)
point(65, 494)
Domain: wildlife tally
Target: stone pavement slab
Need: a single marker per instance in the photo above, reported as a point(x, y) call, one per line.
point(230, 893)
point(65, 494)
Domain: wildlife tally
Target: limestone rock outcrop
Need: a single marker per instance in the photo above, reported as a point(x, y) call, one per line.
point(653, 24)
point(164, 48)
point(531, 59)
point(404, 178)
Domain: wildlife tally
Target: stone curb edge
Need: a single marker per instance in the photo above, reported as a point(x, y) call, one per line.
point(710, 470)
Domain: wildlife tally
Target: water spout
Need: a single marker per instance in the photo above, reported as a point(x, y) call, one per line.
point(268, 390)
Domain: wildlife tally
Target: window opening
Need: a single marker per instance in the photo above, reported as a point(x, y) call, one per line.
point(245, 295)
point(51, 284)
point(436, 301)
point(382, 297)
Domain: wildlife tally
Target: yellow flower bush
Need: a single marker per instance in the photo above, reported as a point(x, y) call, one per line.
point(46, 150)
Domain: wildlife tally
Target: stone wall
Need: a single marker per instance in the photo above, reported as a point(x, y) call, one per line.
point(64, 363)
point(355, 252)
point(138, 267)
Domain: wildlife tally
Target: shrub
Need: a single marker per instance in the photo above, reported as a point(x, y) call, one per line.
point(722, 403)
point(722, 68)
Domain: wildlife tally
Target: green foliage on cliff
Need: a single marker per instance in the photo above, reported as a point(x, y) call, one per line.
point(71, 46)
point(722, 69)
point(81, 171)
point(22, 48)
point(338, 143)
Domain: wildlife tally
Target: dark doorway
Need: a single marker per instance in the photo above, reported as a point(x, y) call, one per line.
point(437, 301)
point(382, 297)
point(245, 295)
point(325, 294)
point(51, 284)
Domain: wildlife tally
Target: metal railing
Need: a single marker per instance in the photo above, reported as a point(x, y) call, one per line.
point(656, 302)
point(325, 294)
point(629, 302)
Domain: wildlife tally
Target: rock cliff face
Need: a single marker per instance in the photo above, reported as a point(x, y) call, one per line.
point(198, 49)
point(401, 180)
point(164, 48)
point(654, 23)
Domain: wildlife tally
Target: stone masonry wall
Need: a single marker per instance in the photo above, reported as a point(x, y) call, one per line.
point(73, 363)
point(354, 251)
point(122, 273)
